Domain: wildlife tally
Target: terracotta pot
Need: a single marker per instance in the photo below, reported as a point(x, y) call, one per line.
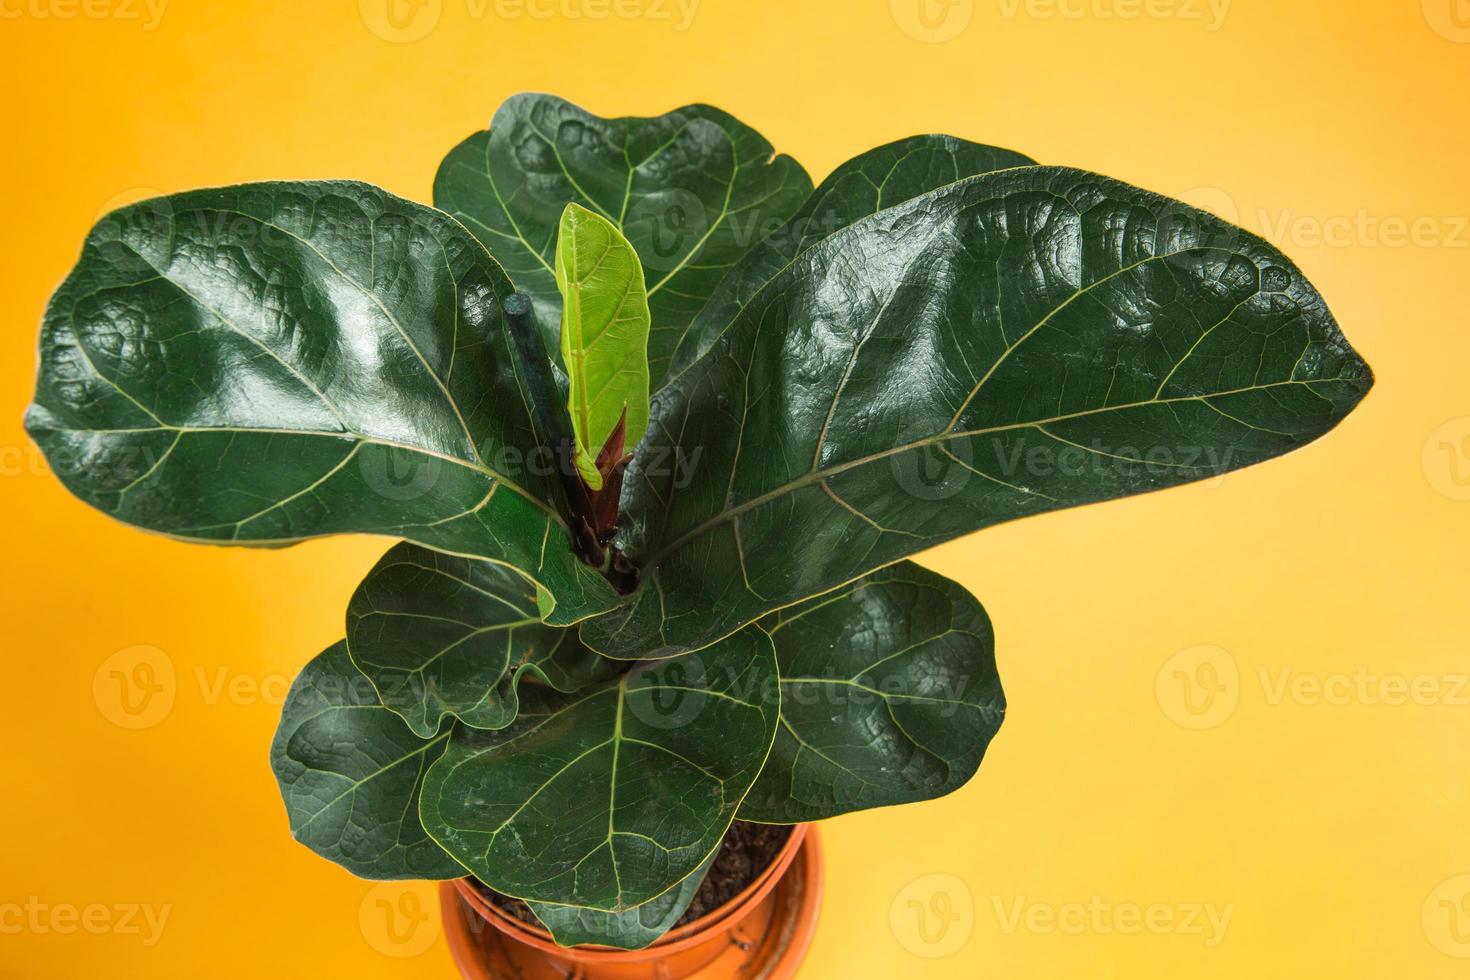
point(762, 932)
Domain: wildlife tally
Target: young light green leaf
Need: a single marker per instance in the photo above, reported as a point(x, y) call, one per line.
point(889, 694)
point(350, 772)
point(604, 335)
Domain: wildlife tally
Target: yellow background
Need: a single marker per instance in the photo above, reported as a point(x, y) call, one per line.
point(1333, 833)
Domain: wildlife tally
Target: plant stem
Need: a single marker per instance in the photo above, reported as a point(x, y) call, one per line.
point(535, 367)
point(552, 430)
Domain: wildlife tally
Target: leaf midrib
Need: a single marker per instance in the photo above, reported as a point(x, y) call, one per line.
point(815, 476)
point(320, 434)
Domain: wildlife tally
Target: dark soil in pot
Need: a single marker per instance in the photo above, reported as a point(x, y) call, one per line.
point(746, 851)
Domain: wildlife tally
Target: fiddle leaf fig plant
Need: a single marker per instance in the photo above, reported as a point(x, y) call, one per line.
point(658, 427)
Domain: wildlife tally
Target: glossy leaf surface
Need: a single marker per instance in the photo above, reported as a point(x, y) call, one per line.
point(633, 929)
point(883, 177)
point(271, 362)
point(1013, 343)
point(442, 636)
point(692, 190)
point(607, 798)
point(604, 335)
point(889, 694)
point(350, 772)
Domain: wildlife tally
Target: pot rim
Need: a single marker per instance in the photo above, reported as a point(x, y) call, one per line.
point(673, 941)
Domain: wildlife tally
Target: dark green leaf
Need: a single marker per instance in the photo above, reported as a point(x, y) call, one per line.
point(608, 798)
point(266, 363)
point(1013, 343)
point(604, 335)
point(633, 929)
point(889, 694)
point(880, 178)
point(350, 772)
point(445, 636)
point(693, 190)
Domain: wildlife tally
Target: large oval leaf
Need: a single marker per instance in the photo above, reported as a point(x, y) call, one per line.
point(608, 798)
point(633, 929)
point(693, 190)
point(443, 636)
point(350, 772)
point(265, 363)
point(881, 178)
point(889, 694)
point(1013, 343)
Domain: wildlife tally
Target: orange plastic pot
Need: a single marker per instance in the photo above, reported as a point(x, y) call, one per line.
point(762, 932)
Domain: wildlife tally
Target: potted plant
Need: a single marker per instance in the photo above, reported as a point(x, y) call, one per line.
point(658, 425)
